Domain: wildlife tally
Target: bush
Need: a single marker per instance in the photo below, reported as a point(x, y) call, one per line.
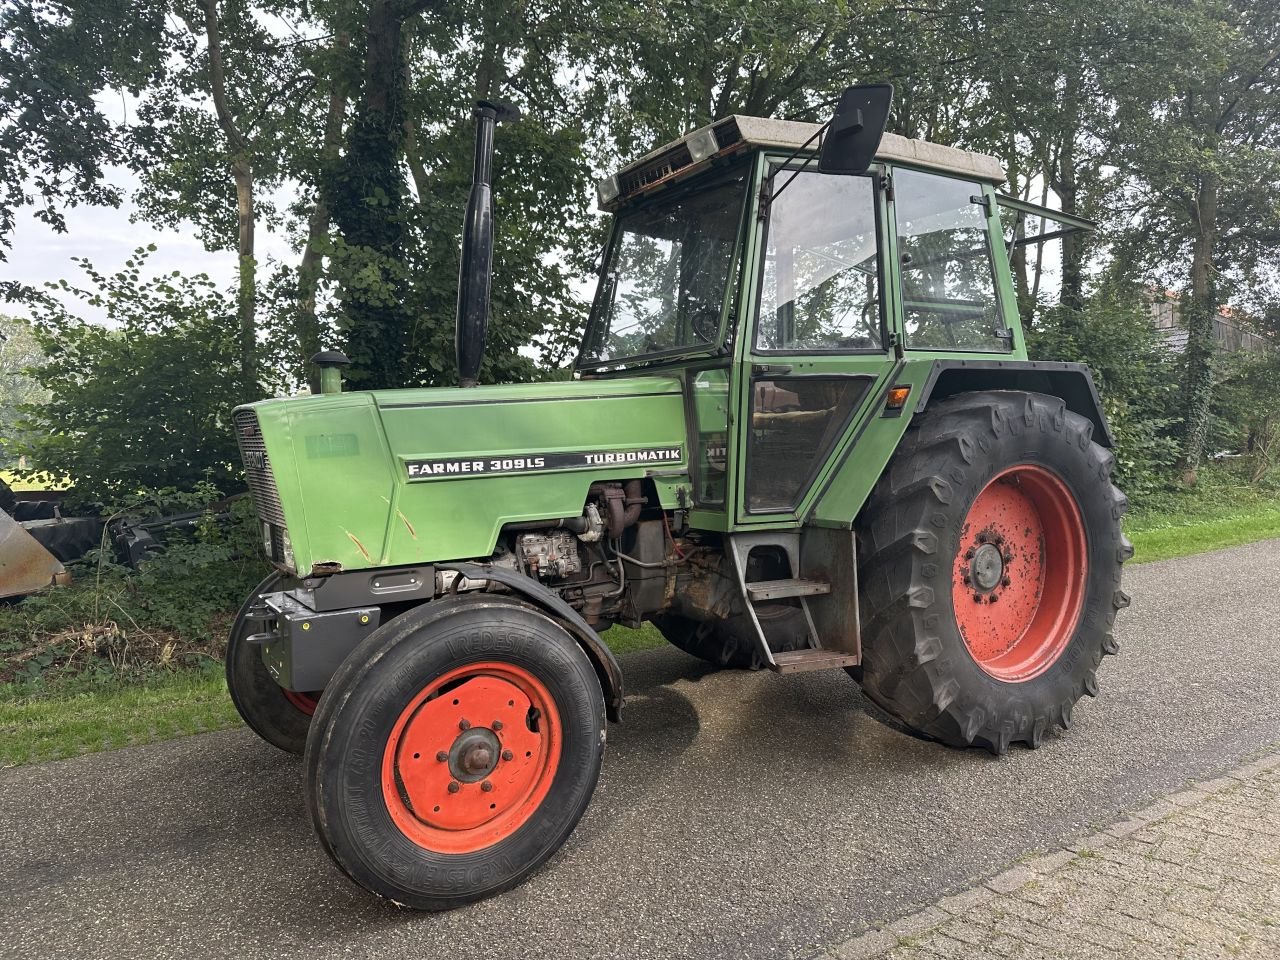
point(116, 623)
point(145, 401)
point(1137, 378)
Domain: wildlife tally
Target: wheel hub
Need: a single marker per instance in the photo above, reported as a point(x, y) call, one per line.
point(987, 567)
point(474, 754)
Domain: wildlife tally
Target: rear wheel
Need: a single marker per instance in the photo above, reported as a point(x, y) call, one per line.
point(454, 751)
point(279, 716)
point(991, 570)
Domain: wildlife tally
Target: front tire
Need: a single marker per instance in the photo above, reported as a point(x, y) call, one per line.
point(279, 716)
point(990, 571)
point(454, 751)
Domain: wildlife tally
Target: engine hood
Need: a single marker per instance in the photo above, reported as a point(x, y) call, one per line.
point(414, 476)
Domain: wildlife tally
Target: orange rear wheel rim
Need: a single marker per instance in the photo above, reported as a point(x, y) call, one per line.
point(1018, 580)
point(472, 757)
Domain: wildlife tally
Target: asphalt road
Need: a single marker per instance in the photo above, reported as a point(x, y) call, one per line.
point(740, 815)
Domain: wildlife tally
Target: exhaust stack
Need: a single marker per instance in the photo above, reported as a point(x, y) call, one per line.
point(476, 267)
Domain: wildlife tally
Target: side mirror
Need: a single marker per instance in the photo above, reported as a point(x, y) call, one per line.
point(854, 135)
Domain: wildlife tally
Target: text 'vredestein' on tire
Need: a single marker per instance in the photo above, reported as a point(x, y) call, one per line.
point(455, 751)
point(991, 555)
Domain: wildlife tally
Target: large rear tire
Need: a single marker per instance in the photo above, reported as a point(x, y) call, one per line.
point(454, 751)
point(279, 716)
point(990, 570)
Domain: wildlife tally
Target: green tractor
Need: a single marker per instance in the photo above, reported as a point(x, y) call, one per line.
point(803, 435)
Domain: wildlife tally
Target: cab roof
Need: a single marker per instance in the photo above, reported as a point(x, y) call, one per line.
point(737, 133)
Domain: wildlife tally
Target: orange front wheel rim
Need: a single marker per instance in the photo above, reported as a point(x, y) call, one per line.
point(1018, 580)
point(472, 757)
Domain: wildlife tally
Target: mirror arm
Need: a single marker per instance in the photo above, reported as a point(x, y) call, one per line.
point(818, 133)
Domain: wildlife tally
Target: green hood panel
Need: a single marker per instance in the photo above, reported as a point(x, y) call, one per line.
point(413, 476)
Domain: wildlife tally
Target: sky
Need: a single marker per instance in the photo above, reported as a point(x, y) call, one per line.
point(107, 238)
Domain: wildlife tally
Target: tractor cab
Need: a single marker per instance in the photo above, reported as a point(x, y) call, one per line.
point(796, 302)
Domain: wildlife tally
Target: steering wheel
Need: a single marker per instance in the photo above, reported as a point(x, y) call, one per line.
point(705, 323)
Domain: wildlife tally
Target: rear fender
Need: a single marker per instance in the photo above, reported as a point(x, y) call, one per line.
point(1072, 382)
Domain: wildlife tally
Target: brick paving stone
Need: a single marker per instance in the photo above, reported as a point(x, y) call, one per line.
point(918, 923)
point(1195, 876)
point(871, 944)
point(1050, 861)
point(1011, 880)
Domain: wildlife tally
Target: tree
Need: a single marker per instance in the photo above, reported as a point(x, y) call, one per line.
point(1201, 147)
point(144, 403)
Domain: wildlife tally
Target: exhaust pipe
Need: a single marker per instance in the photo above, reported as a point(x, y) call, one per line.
point(476, 267)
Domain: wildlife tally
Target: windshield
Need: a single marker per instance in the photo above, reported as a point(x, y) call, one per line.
point(663, 287)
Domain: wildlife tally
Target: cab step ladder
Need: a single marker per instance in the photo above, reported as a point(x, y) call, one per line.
point(756, 592)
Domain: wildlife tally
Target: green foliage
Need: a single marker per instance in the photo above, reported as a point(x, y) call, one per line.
point(1136, 379)
point(144, 402)
point(115, 623)
point(1246, 413)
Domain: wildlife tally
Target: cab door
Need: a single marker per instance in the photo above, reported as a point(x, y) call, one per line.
point(817, 356)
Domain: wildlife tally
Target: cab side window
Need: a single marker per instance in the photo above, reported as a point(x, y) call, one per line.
point(949, 296)
point(821, 284)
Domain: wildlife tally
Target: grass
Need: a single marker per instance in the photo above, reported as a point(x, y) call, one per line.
point(1215, 517)
point(70, 720)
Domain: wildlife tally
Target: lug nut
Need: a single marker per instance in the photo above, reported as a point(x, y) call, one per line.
point(442, 756)
point(464, 724)
point(965, 579)
point(1008, 557)
point(486, 786)
point(993, 598)
point(454, 787)
point(497, 725)
point(507, 755)
point(977, 598)
point(968, 554)
point(1005, 582)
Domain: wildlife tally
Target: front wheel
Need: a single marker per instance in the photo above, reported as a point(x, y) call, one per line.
point(454, 751)
point(279, 716)
point(990, 571)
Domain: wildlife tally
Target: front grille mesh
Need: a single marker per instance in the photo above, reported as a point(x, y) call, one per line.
point(257, 468)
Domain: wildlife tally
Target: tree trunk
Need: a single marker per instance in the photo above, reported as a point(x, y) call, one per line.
point(242, 174)
point(247, 293)
point(1066, 186)
point(311, 265)
point(366, 198)
point(1197, 387)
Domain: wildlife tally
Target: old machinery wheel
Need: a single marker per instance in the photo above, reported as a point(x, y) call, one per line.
point(454, 751)
point(731, 644)
point(991, 556)
point(279, 716)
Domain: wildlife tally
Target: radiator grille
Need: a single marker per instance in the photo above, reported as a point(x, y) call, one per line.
point(257, 468)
